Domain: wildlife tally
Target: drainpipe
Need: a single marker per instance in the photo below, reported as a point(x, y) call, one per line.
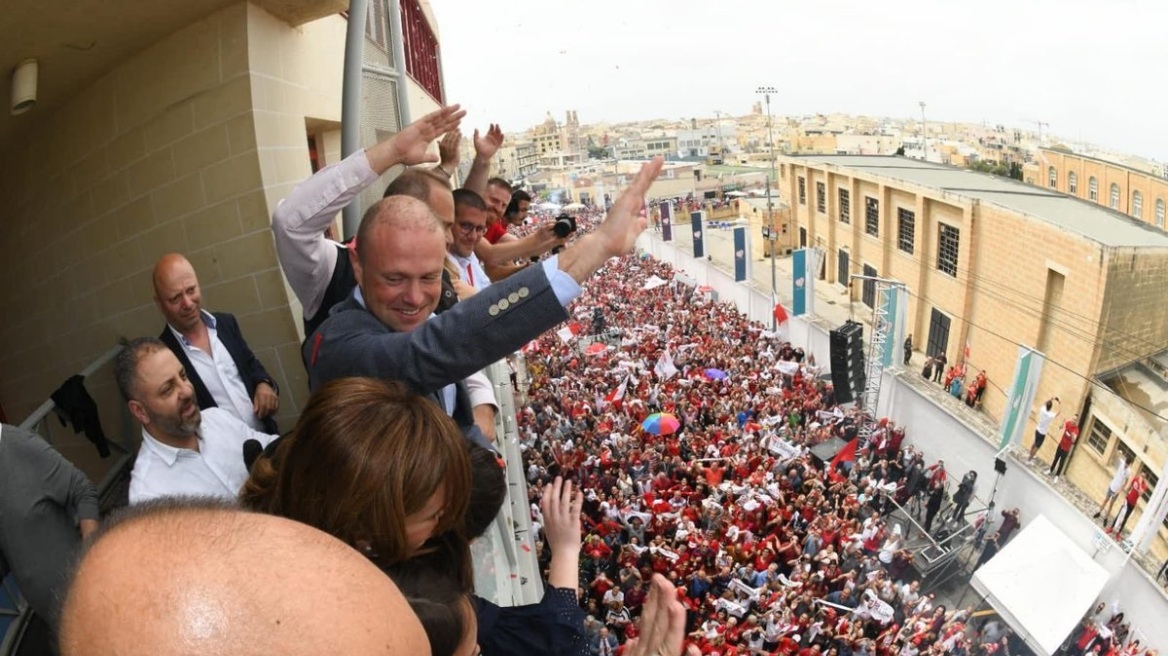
point(397, 46)
point(351, 100)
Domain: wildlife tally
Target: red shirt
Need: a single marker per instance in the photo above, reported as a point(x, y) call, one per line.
point(495, 231)
point(1070, 433)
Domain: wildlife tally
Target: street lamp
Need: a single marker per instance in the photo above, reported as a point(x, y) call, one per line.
point(766, 92)
point(721, 145)
point(924, 132)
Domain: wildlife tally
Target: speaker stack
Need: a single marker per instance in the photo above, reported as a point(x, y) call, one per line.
point(847, 362)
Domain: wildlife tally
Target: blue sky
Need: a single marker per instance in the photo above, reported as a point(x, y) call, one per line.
point(1091, 70)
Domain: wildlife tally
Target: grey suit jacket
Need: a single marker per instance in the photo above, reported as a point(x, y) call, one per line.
point(488, 326)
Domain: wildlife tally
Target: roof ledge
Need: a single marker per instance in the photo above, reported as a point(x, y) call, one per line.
point(299, 12)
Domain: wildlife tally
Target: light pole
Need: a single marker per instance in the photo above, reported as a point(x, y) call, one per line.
point(718, 125)
point(924, 133)
point(772, 237)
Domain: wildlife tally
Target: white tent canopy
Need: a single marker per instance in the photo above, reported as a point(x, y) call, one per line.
point(1042, 584)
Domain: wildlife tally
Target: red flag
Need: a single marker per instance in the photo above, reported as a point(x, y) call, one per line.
point(846, 454)
point(617, 396)
point(780, 313)
point(576, 327)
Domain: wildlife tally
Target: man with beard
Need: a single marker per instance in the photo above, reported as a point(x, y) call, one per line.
point(185, 451)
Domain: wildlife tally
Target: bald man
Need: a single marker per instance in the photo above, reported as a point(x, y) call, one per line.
point(196, 577)
point(219, 363)
point(387, 328)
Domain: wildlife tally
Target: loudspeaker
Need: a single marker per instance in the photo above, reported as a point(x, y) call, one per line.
point(840, 382)
point(999, 465)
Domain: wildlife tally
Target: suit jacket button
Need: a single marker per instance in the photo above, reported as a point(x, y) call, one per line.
point(493, 310)
point(504, 304)
point(514, 298)
point(523, 292)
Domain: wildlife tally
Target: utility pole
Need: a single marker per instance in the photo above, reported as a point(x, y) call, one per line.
point(773, 236)
point(924, 133)
point(721, 145)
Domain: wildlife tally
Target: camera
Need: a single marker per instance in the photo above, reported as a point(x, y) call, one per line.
point(565, 225)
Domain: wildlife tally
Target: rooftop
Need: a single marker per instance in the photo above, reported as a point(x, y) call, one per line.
point(1144, 385)
point(1095, 222)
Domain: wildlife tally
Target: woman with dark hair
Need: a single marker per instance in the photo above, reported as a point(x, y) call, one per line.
point(371, 464)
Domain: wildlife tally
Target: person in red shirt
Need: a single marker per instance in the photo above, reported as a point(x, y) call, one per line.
point(1070, 434)
point(1138, 486)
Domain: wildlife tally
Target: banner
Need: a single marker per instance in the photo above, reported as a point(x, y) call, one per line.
point(799, 285)
point(894, 302)
point(699, 241)
point(741, 255)
point(666, 220)
point(1026, 374)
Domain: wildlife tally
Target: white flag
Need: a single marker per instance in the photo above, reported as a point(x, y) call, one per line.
point(565, 334)
point(665, 368)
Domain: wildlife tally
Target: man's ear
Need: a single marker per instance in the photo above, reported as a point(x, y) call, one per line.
point(139, 412)
point(355, 261)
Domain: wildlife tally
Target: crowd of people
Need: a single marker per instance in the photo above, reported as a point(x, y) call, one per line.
point(770, 550)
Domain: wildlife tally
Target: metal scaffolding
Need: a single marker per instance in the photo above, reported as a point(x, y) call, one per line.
point(883, 325)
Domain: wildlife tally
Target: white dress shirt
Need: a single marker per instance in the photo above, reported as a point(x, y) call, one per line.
point(220, 375)
point(470, 269)
point(215, 470)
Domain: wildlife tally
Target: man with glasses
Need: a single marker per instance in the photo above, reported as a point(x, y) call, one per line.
point(470, 224)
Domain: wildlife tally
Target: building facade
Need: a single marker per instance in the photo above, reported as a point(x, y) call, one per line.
point(991, 264)
point(185, 144)
point(1141, 195)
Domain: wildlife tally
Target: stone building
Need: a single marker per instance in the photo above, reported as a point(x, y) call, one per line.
point(991, 263)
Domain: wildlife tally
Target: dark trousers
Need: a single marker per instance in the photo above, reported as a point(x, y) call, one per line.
point(1059, 463)
point(1125, 512)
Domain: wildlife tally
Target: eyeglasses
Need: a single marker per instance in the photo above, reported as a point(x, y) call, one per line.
point(469, 228)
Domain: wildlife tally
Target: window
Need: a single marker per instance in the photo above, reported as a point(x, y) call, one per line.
point(845, 206)
point(1152, 480)
point(421, 46)
point(802, 191)
point(1052, 177)
point(1099, 437)
point(821, 197)
point(843, 273)
point(868, 291)
point(1137, 208)
point(1159, 212)
point(1113, 201)
point(375, 24)
point(1093, 189)
point(947, 247)
point(871, 216)
point(906, 223)
point(1072, 182)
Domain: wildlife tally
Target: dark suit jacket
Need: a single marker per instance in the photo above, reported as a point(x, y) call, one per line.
point(488, 326)
point(251, 370)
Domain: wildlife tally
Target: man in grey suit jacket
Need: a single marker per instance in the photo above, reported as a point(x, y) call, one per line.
point(387, 329)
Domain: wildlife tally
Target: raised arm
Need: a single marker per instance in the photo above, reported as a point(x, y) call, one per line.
point(537, 243)
point(561, 513)
point(300, 220)
point(480, 169)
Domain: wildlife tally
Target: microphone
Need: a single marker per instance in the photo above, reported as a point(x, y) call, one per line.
point(251, 451)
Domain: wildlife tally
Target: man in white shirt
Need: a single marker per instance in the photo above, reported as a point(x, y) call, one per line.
point(1046, 415)
point(221, 366)
point(185, 451)
point(470, 224)
point(1118, 480)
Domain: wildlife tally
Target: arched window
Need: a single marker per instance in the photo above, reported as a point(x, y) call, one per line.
point(1113, 201)
point(1137, 208)
point(1072, 183)
point(1093, 189)
point(1052, 177)
point(1159, 212)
